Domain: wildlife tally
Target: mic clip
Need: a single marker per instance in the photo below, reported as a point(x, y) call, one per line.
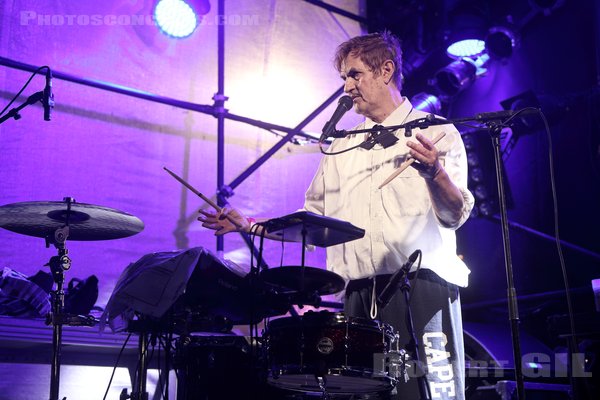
point(384, 137)
point(390, 289)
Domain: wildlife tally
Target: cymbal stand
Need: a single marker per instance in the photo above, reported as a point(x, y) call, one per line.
point(58, 264)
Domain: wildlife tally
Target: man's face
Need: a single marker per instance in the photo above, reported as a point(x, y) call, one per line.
point(366, 87)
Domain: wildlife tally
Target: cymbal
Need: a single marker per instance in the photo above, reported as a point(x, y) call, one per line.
point(311, 228)
point(86, 221)
point(315, 279)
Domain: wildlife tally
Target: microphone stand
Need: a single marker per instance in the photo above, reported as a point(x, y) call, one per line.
point(14, 112)
point(495, 127)
point(414, 343)
point(494, 121)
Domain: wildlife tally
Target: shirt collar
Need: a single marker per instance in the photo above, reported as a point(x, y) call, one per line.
point(397, 117)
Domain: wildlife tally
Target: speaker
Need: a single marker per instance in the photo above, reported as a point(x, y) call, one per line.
point(490, 367)
point(506, 390)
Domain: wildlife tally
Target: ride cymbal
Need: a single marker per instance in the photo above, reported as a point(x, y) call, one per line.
point(86, 221)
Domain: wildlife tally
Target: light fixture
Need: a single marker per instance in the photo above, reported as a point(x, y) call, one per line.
point(500, 42)
point(466, 48)
point(455, 77)
point(178, 18)
point(426, 102)
point(482, 173)
point(466, 31)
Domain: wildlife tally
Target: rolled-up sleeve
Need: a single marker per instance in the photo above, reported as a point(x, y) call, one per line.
point(456, 167)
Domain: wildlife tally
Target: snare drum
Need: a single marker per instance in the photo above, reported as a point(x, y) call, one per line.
point(342, 351)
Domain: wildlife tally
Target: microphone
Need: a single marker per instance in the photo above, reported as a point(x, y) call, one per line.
point(388, 292)
point(344, 105)
point(48, 96)
point(505, 114)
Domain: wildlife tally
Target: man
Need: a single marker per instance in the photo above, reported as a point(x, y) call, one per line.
point(419, 209)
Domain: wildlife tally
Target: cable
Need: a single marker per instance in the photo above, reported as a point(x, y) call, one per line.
point(116, 365)
point(337, 152)
point(556, 230)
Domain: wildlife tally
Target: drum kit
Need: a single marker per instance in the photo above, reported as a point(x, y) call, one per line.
point(324, 352)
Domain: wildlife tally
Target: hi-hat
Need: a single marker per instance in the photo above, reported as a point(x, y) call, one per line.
point(86, 221)
point(298, 279)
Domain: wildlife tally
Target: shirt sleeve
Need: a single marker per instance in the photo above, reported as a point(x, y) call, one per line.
point(314, 198)
point(457, 169)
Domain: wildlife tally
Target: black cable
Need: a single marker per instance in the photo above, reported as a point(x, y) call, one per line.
point(556, 230)
point(116, 365)
point(337, 152)
point(23, 88)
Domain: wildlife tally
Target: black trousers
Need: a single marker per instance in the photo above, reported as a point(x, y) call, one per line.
point(436, 316)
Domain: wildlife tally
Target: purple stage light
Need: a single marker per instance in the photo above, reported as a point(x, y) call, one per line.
point(178, 18)
point(466, 48)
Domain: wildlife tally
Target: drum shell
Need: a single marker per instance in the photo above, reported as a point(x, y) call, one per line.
point(342, 349)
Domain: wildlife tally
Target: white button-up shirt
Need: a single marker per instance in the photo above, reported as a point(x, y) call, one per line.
point(398, 218)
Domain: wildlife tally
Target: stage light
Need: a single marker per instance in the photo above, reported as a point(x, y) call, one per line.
point(427, 102)
point(482, 173)
point(466, 29)
point(178, 18)
point(466, 48)
point(500, 42)
point(455, 77)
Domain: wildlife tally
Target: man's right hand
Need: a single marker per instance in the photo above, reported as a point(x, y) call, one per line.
point(225, 221)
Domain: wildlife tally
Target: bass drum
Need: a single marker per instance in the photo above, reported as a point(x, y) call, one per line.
point(328, 351)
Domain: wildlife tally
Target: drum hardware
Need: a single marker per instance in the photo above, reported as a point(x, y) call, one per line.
point(57, 221)
point(396, 362)
point(309, 229)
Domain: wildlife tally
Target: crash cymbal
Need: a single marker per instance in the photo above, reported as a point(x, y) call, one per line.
point(289, 279)
point(86, 221)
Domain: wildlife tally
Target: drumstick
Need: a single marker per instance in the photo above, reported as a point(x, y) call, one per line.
point(203, 197)
point(408, 163)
